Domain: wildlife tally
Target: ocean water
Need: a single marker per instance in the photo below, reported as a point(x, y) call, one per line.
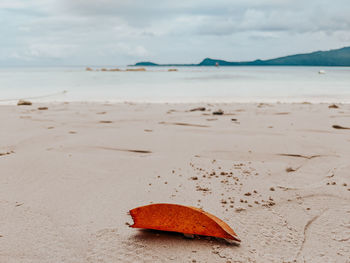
point(188, 84)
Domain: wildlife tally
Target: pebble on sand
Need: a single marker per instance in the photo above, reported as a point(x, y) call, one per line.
point(198, 109)
point(24, 103)
point(333, 106)
point(218, 112)
point(290, 169)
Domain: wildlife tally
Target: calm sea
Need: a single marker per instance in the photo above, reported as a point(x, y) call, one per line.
point(188, 84)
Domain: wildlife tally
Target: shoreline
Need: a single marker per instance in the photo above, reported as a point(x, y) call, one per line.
point(13, 102)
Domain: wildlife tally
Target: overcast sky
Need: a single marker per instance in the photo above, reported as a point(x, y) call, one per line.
point(118, 32)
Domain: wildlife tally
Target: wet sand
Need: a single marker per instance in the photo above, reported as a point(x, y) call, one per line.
point(278, 174)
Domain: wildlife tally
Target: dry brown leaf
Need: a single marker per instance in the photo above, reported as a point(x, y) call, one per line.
point(182, 219)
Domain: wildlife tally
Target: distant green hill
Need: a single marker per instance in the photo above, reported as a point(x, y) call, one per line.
point(336, 57)
point(146, 64)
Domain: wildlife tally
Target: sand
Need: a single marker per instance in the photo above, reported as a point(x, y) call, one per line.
point(278, 174)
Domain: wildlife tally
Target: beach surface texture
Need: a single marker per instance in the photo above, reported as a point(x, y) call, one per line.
point(278, 174)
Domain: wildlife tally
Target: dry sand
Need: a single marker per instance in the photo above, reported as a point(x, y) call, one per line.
point(278, 174)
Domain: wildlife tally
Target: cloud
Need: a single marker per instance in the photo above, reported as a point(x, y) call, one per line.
point(8, 4)
point(105, 31)
point(54, 51)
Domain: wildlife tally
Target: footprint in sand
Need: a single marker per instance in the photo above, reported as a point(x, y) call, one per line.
point(282, 113)
point(123, 150)
point(184, 124)
point(106, 122)
point(299, 155)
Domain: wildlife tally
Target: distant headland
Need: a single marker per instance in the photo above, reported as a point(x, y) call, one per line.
point(332, 58)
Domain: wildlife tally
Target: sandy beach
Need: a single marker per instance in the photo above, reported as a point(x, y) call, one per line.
point(278, 174)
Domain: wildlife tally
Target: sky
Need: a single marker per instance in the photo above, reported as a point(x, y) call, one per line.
point(120, 32)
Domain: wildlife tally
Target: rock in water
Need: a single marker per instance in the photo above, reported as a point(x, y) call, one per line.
point(135, 69)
